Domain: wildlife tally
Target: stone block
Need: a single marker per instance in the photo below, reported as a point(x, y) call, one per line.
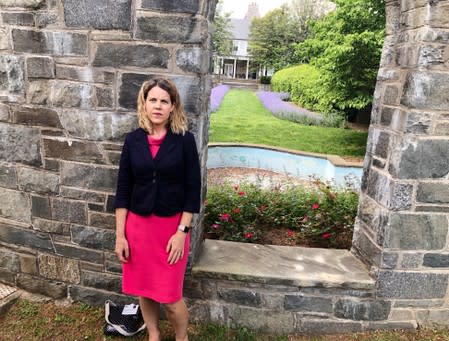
point(67, 94)
point(113, 267)
point(94, 125)
point(301, 303)
point(411, 260)
point(18, 18)
point(418, 123)
point(431, 208)
point(88, 176)
point(51, 165)
point(51, 226)
point(436, 260)
point(327, 326)
point(420, 159)
point(36, 116)
point(28, 264)
point(412, 304)
point(4, 112)
point(401, 315)
point(12, 73)
point(17, 236)
point(33, 4)
point(42, 286)
point(172, 29)
point(123, 55)
point(360, 310)
point(87, 266)
point(78, 194)
point(96, 297)
point(411, 285)
point(101, 14)
point(442, 129)
point(49, 42)
point(438, 14)
point(366, 248)
point(40, 67)
point(129, 89)
point(184, 6)
point(69, 211)
point(44, 182)
point(105, 97)
point(385, 325)
point(8, 176)
point(240, 297)
point(92, 237)
point(391, 95)
point(389, 260)
point(70, 150)
point(260, 319)
point(75, 252)
point(431, 192)
point(44, 19)
point(432, 34)
point(39, 92)
point(40, 207)
point(110, 204)
point(85, 74)
point(103, 220)
point(430, 55)
point(426, 90)
point(59, 268)
point(10, 200)
point(9, 260)
point(4, 42)
point(101, 281)
point(193, 59)
point(416, 231)
point(433, 318)
point(381, 144)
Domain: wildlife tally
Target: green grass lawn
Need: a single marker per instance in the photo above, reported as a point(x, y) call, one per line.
point(242, 118)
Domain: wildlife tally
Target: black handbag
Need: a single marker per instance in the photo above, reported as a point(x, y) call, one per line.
point(125, 320)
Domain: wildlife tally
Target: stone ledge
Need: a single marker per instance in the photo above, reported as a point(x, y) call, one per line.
point(282, 265)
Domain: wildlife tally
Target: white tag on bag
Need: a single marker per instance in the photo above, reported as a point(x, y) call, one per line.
point(130, 309)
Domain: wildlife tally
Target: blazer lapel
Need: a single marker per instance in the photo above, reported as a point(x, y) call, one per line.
point(144, 147)
point(167, 145)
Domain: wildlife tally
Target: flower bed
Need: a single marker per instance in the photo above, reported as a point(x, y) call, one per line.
point(216, 96)
point(274, 102)
point(316, 216)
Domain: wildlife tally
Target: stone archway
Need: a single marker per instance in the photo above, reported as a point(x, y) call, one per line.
point(67, 83)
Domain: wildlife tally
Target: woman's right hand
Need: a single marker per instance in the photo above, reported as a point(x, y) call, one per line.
point(122, 249)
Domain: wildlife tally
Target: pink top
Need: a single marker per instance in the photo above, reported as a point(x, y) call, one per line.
point(155, 143)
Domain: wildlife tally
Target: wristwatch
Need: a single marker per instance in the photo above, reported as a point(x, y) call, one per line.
point(184, 228)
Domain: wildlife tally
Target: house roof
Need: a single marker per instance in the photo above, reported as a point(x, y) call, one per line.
point(240, 28)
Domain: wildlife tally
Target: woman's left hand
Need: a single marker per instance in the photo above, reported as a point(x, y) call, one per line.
point(175, 247)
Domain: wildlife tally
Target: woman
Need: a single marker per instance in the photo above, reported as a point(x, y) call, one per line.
point(158, 190)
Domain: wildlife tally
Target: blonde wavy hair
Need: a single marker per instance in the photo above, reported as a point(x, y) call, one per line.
point(177, 120)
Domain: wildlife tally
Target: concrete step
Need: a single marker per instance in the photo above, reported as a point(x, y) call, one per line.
point(282, 265)
point(8, 296)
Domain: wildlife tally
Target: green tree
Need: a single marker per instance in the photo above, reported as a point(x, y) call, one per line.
point(272, 39)
point(346, 46)
point(221, 33)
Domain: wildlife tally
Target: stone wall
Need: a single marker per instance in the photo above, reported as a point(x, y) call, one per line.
point(402, 224)
point(69, 76)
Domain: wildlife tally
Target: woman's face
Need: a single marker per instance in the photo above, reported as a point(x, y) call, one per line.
point(158, 106)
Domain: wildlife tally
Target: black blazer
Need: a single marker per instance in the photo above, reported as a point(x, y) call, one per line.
point(168, 184)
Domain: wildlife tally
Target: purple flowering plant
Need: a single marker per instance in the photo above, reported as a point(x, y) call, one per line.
point(275, 103)
point(216, 96)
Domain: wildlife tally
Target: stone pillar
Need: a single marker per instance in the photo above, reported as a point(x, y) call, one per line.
point(402, 225)
point(70, 72)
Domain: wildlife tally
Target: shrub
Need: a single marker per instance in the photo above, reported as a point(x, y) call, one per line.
point(216, 96)
point(265, 80)
point(322, 215)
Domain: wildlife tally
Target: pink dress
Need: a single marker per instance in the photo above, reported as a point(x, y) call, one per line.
point(147, 272)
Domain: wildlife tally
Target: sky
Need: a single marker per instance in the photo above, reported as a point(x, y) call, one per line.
point(238, 8)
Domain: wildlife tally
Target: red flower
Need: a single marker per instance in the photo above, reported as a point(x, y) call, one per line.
point(249, 235)
point(261, 208)
point(315, 206)
point(215, 226)
point(242, 193)
point(290, 233)
point(326, 235)
point(236, 210)
point(225, 217)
